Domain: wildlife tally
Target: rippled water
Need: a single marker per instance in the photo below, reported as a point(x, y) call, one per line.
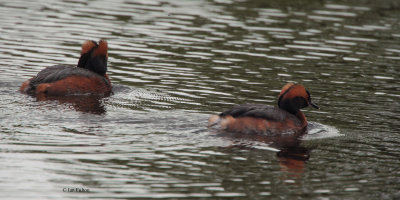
point(173, 63)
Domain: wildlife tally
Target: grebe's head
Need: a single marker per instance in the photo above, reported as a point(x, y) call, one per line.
point(94, 56)
point(294, 97)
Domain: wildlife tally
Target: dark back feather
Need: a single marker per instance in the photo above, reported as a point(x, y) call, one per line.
point(59, 72)
point(269, 113)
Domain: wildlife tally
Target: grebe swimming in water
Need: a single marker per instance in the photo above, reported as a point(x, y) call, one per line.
point(267, 120)
point(88, 77)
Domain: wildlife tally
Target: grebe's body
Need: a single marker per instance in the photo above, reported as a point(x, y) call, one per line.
point(267, 120)
point(88, 77)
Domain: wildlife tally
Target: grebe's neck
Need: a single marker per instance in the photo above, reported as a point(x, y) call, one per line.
point(302, 118)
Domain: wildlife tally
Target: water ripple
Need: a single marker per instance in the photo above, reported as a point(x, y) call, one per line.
point(174, 63)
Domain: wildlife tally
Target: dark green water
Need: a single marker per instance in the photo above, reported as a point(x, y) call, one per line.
point(173, 64)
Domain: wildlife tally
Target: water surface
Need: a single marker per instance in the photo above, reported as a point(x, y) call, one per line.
point(173, 64)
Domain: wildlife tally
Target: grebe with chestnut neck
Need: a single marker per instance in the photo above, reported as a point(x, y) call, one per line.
point(88, 77)
point(287, 118)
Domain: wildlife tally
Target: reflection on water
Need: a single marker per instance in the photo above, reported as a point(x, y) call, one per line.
point(83, 103)
point(293, 160)
point(172, 64)
point(289, 151)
